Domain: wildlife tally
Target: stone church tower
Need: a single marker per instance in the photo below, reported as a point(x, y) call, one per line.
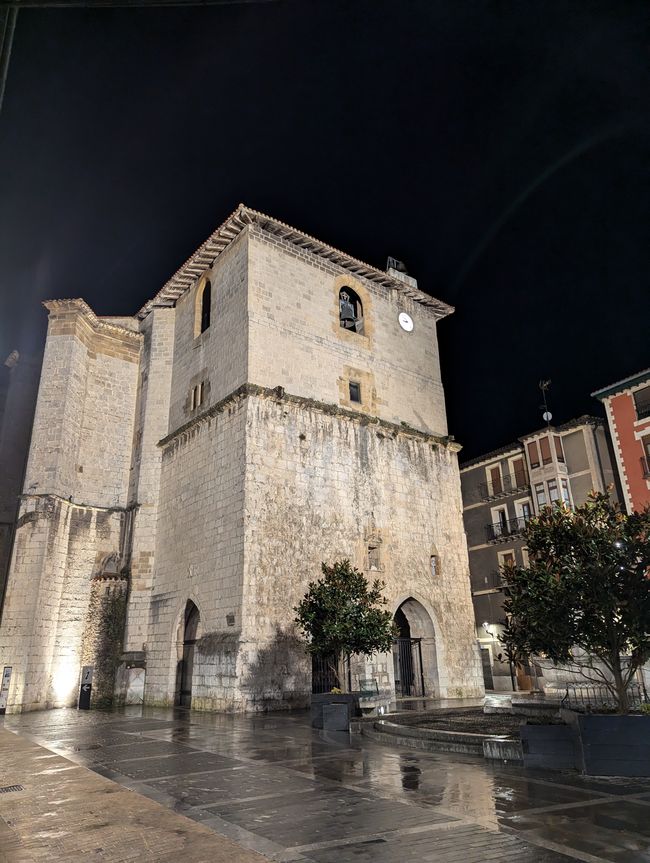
point(277, 404)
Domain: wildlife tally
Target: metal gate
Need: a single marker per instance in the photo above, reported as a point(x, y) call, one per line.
point(323, 678)
point(407, 662)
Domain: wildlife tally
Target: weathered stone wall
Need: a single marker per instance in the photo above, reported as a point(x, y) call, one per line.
point(318, 488)
point(296, 340)
point(72, 512)
point(199, 556)
point(58, 549)
point(103, 635)
point(83, 424)
point(16, 417)
point(151, 424)
point(218, 356)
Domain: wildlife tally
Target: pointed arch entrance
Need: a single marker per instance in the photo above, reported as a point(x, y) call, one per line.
point(415, 660)
point(185, 668)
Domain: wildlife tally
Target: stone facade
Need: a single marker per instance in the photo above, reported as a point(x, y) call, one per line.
point(214, 467)
point(501, 490)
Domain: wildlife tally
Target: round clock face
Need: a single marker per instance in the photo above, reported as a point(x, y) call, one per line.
point(405, 322)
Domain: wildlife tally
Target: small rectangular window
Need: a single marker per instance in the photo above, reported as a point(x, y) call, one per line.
point(355, 392)
point(559, 452)
point(201, 390)
point(540, 494)
point(553, 493)
point(545, 448)
point(533, 454)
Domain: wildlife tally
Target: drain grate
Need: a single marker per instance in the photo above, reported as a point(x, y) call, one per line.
point(8, 788)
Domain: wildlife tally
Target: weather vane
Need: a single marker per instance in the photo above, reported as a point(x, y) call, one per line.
point(547, 416)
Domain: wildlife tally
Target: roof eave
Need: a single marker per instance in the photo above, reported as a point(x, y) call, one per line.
point(204, 257)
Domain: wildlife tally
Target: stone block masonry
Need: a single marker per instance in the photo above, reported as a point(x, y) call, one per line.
point(207, 464)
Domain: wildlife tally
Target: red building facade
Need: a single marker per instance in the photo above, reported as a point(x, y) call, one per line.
point(627, 404)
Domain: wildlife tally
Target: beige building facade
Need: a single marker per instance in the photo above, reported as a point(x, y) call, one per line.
point(276, 405)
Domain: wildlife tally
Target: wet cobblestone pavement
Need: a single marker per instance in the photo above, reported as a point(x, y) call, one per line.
point(275, 786)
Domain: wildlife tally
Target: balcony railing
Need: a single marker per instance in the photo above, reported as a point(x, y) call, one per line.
point(492, 581)
point(501, 531)
point(504, 485)
point(645, 467)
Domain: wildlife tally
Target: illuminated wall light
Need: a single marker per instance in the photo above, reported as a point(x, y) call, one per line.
point(64, 680)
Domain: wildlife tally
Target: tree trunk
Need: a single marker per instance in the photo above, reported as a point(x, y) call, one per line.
point(621, 688)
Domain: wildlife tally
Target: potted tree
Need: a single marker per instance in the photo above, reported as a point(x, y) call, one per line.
point(584, 603)
point(341, 615)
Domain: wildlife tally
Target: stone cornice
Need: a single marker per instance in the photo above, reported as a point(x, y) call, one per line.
point(204, 257)
point(81, 308)
point(279, 395)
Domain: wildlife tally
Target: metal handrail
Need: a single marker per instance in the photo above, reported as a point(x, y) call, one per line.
point(500, 531)
point(508, 484)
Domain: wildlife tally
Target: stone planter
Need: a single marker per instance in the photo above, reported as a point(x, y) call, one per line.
point(594, 744)
point(551, 747)
point(327, 719)
point(615, 745)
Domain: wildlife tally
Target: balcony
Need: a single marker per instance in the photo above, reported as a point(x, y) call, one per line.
point(645, 467)
point(503, 486)
point(502, 531)
point(492, 581)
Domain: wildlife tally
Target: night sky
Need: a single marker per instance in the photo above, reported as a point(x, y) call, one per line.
point(500, 149)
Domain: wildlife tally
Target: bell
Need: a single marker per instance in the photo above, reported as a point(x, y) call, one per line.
point(347, 313)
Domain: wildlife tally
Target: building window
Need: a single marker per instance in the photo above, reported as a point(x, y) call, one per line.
point(350, 311)
point(355, 392)
point(540, 494)
point(564, 485)
point(645, 458)
point(500, 521)
point(642, 403)
point(196, 396)
point(545, 449)
point(519, 473)
point(533, 454)
point(525, 510)
point(434, 563)
point(553, 493)
point(559, 452)
point(495, 484)
point(374, 561)
point(206, 299)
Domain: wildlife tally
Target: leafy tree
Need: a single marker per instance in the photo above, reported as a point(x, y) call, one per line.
point(342, 614)
point(584, 600)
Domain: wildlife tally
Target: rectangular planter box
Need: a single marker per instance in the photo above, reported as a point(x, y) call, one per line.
point(319, 701)
point(615, 745)
point(550, 747)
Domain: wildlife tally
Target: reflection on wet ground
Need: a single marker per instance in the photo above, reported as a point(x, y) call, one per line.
point(277, 786)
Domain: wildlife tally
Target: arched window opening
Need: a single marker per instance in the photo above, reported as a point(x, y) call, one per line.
point(350, 311)
point(206, 298)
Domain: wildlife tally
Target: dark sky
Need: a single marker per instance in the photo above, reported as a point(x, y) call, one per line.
point(501, 149)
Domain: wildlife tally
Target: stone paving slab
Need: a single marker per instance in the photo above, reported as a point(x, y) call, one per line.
point(67, 813)
point(297, 795)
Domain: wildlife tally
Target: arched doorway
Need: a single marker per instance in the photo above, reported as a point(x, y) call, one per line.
point(415, 660)
point(185, 666)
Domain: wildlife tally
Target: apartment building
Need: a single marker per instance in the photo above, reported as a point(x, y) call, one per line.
point(501, 491)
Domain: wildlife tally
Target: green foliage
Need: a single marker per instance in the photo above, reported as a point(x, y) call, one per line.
point(587, 588)
point(112, 619)
point(342, 614)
